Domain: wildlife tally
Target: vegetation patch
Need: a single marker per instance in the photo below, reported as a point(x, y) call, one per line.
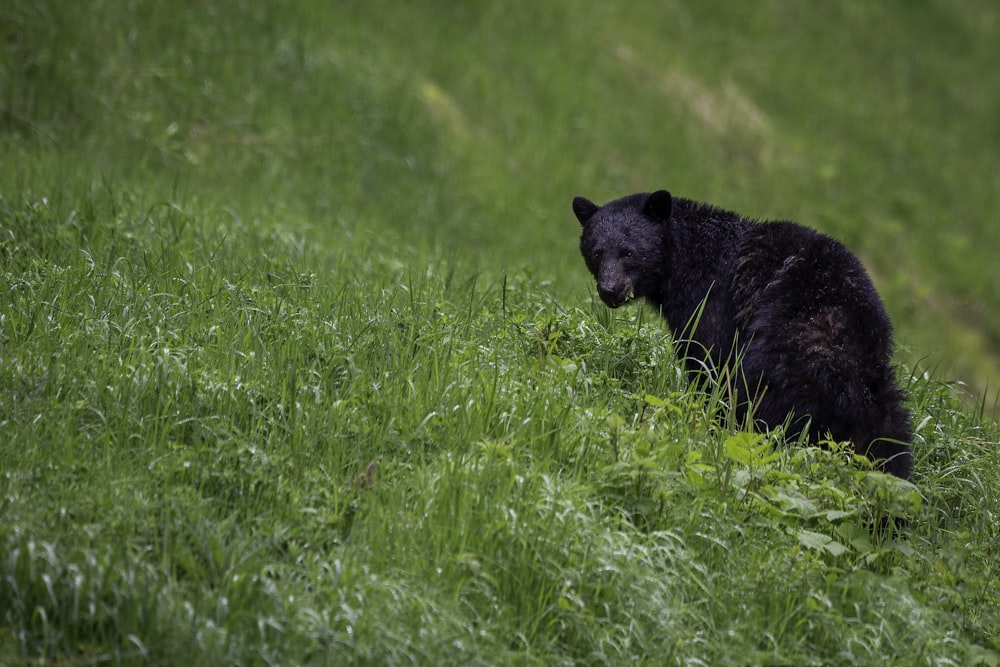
point(299, 365)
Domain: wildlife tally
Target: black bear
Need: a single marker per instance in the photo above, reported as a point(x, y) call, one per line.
point(793, 309)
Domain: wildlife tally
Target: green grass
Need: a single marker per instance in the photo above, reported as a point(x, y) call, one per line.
point(299, 363)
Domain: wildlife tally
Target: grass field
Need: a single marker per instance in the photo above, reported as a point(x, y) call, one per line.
point(299, 363)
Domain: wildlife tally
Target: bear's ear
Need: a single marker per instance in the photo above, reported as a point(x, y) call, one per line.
point(658, 206)
point(584, 209)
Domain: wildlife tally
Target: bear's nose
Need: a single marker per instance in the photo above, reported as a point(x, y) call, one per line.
point(612, 294)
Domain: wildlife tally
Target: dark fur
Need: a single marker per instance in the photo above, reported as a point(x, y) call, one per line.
point(794, 306)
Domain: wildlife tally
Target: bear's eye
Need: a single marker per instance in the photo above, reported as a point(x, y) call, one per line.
point(628, 254)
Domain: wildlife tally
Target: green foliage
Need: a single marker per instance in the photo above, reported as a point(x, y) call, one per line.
point(297, 365)
point(210, 452)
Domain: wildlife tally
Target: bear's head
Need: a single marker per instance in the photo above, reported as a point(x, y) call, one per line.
point(625, 244)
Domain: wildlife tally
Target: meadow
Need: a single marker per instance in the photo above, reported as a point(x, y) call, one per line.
point(299, 363)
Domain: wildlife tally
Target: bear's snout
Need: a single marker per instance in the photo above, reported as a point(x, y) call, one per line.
point(614, 294)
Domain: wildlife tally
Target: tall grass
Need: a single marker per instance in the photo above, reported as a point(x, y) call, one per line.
point(212, 455)
point(299, 363)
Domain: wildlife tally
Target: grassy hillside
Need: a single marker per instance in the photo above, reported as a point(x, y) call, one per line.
point(448, 128)
point(300, 364)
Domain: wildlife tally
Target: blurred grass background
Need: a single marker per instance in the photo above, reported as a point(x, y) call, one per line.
point(464, 130)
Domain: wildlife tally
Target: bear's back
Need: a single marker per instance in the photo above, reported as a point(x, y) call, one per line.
point(787, 273)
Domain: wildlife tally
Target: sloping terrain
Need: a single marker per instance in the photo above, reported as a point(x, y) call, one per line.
point(299, 363)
